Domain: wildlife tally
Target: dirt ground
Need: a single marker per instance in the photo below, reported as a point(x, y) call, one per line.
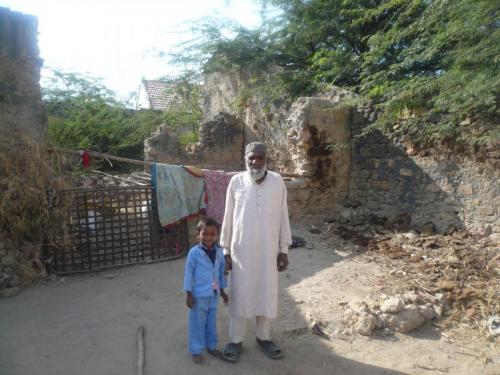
point(87, 324)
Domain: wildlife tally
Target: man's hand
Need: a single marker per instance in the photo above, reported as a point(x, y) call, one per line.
point(229, 262)
point(224, 296)
point(282, 262)
point(189, 300)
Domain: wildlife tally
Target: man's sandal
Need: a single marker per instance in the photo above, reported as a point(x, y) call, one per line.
point(232, 352)
point(270, 349)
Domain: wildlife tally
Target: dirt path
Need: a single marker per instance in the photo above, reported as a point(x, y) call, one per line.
point(87, 325)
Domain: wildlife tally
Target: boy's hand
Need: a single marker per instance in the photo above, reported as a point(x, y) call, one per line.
point(189, 300)
point(224, 296)
point(229, 262)
point(282, 262)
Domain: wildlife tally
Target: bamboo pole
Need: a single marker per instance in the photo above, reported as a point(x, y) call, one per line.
point(141, 162)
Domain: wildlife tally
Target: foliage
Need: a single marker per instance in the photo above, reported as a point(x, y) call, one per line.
point(24, 203)
point(431, 63)
point(83, 114)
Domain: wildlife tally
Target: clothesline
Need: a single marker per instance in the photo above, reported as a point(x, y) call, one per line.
point(134, 161)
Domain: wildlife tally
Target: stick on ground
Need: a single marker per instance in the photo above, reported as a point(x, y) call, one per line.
point(140, 350)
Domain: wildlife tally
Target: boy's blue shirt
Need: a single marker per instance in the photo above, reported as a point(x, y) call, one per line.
point(200, 272)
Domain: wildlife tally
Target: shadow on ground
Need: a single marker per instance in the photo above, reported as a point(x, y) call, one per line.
point(87, 325)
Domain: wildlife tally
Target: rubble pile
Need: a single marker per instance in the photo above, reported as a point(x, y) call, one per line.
point(459, 269)
point(398, 313)
point(464, 267)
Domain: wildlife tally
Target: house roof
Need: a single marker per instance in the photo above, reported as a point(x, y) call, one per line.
point(161, 95)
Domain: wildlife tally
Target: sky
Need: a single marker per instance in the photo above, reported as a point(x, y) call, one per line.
point(116, 39)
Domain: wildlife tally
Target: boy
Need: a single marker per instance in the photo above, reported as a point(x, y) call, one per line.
point(204, 281)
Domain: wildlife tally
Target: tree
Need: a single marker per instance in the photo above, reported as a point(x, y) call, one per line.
point(84, 114)
point(434, 62)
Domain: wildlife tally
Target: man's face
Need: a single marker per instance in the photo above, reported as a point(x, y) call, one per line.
point(256, 160)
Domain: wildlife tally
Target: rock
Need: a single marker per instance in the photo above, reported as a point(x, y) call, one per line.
point(427, 311)
point(428, 228)
point(9, 292)
point(9, 260)
point(352, 203)
point(314, 230)
point(402, 221)
point(411, 235)
point(411, 297)
point(405, 321)
point(366, 324)
point(359, 307)
point(438, 311)
point(14, 280)
point(28, 250)
point(392, 305)
point(4, 279)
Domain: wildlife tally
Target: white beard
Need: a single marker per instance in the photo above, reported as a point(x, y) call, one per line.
point(256, 173)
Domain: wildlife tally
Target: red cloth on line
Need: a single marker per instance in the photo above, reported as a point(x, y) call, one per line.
point(85, 158)
point(216, 183)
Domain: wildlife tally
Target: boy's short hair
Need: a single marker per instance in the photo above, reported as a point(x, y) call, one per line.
point(207, 222)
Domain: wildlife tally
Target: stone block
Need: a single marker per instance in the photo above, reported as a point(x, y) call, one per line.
point(487, 211)
point(293, 196)
point(304, 195)
point(392, 305)
point(9, 260)
point(405, 172)
point(381, 185)
point(366, 324)
point(407, 320)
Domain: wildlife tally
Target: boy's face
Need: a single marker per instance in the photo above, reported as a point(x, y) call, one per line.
point(208, 235)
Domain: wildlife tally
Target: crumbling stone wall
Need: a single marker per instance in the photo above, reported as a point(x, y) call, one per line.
point(21, 108)
point(430, 190)
point(220, 145)
point(373, 179)
point(22, 122)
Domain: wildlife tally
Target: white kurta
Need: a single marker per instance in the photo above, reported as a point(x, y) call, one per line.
point(255, 230)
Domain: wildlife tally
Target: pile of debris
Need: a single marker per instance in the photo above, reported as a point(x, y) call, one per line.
point(465, 268)
point(459, 269)
point(399, 313)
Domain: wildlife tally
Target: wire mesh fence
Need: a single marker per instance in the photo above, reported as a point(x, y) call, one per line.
point(110, 227)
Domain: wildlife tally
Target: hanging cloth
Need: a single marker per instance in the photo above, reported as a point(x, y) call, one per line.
point(85, 158)
point(216, 183)
point(179, 194)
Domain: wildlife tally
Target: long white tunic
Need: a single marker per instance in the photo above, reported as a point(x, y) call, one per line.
point(255, 230)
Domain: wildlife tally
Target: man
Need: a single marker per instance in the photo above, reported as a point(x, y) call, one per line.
point(255, 237)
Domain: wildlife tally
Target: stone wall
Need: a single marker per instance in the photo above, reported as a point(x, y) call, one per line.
point(430, 190)
point(23, 127)
point(220, 145)
point(21, 108)
point(307, 138)
point(374, 178)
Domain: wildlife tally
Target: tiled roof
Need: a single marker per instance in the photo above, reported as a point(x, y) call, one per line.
point(161, 95)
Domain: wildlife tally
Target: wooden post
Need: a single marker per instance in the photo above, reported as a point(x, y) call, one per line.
point(140, 350)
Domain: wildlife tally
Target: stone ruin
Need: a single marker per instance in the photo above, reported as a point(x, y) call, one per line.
point(354, 181)
point(23, 125)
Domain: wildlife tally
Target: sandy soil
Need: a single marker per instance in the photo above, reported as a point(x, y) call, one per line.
point(83, 325)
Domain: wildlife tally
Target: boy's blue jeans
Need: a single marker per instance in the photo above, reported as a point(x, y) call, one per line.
point(203, 324)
